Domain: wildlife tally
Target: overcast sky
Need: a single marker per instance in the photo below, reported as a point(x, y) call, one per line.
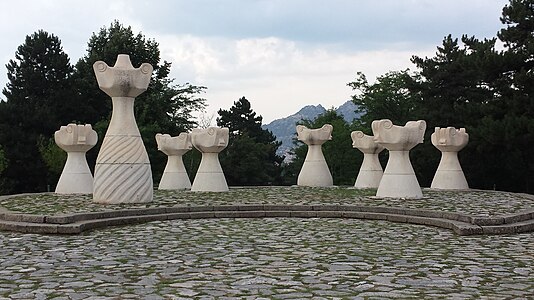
point(279, 54)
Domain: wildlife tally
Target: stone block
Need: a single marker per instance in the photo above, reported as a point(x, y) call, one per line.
point(200, 208)
point(461, 228)
point(303, 214)
point(250, 214)
point(202, 215)
point(354, 215)
point(225, 207)
point(397, 218)
point(59, 219)
point(487, 221)
point(518, 217)
point(253, 207)
point(277, 214)
point(178, 216)
point(329, 214)
point(69, 229)
point(176, 209)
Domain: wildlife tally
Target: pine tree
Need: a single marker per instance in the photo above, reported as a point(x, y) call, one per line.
point(39, 99)
point(250, 158)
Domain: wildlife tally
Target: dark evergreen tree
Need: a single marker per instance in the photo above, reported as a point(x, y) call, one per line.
point(250, 158)
point(39, 99)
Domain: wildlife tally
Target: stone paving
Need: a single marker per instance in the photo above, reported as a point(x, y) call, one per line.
point(472, 202)
point(270, 258)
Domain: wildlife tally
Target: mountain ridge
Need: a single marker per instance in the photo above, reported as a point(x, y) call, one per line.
point(284, 128)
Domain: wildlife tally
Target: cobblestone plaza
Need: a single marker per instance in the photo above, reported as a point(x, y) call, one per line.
point(272, 258)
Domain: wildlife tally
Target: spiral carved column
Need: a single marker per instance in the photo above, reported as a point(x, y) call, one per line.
point(122, 172)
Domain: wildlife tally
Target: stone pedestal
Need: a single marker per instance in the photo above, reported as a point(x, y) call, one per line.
point(449, 174)
point(210, 176)
point(174, 176)
point(399, 179)
point(76, 140)
point(314, 171)
point(122, 172)
point(371, 171)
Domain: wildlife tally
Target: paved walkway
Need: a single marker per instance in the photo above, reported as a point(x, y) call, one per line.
point(271, 258)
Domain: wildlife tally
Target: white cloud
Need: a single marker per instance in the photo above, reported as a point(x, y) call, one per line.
point(276, 75)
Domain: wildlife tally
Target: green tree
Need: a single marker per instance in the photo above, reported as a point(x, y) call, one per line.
point(3, 160)
point(250, 158)
point(455, 86)
point(391, 97)
point(164, 108)
point(39, 99)
point(343, 161)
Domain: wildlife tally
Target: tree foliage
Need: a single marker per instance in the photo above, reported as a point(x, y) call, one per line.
point(39, 98)
point(45, 92)
point(250, 158)
point(468, 83)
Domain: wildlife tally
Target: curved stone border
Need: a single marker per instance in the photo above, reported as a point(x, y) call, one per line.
point(461, 224)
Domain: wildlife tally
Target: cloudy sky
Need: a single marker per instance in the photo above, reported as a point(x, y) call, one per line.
point(279, 54)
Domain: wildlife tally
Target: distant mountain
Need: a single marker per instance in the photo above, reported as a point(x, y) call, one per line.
point(284, 129)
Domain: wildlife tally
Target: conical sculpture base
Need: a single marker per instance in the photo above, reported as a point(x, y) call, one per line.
point(210, 141)
point(371, 171)
point(122, 171)
point(76, 140)
point(449, 175)
point(314, 171)
point(399, 180)
point(174, 176)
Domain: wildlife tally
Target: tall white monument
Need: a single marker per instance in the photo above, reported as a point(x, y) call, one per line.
point(76, 140)
point(174, 176)
point(210, 176)
point(449, 174)
point(399, 179)
point(122, 172)
point(371, 171)
point(315, 171)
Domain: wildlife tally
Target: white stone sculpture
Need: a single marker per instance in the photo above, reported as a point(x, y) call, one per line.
point(76, 140)
point(449, 174)
point(174, 176)
point(122, 172)
point(314, 171)
point(210, 141)
point(399, 179)
point(371, 171)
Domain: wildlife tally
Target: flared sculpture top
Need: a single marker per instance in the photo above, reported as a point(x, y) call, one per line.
point(365, 143)
point(177, 145)
point(122, 80)
point(398, 138)
point(449, 139)
point(76, 138)
point(210, 140)
point(314, 136)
